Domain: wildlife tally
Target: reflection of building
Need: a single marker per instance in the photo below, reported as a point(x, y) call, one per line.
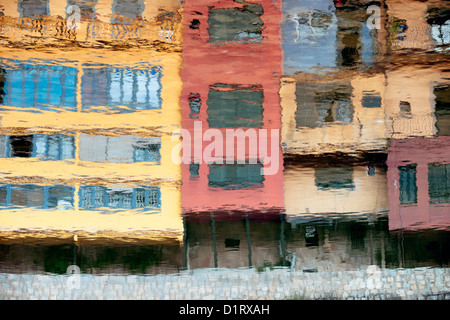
point(418, 158)
point(85, 145)
point(411, 25)
point(239, 92)
point(418, 183)
point(100, 254)
point(233, 244)
point(41, 86)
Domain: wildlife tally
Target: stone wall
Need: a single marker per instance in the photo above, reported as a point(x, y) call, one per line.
point(223, 284)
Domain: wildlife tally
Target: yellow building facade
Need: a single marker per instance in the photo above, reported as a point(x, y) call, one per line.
point(94, 187)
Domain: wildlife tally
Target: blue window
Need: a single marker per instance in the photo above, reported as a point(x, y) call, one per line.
point(408, 184)
point(121, 89)
point(96, 197)
point(48, 147)
point(38, 86)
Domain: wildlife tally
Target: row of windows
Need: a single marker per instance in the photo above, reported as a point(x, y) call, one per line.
point(90, 197)
point(49, 87)
point(92, 148)
point(131, 9)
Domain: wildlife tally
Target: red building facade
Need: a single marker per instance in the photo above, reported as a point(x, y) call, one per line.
point(232, 67)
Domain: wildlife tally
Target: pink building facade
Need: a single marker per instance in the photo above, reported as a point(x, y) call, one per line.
point(418, 183)
point(231, 79)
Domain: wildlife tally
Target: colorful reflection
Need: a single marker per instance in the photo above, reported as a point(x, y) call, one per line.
point(355, 117)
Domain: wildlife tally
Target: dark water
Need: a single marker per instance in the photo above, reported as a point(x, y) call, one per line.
point(87, 117)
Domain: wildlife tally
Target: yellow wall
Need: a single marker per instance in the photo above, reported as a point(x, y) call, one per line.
point(303, 198)
point(414, 85)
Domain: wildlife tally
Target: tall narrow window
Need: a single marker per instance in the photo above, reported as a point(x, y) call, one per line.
point(408, 184)
point(439, 183)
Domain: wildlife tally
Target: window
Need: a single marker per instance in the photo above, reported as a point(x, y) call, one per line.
point(120, 149)
point(442, 109)
point(55, 196)
point(48, 147)
point(125, 11)
point(408, 184)
point(371, 99)
point(334, 178)
point(95, 197)
point(235, 176)
point(238, 25)
point(439, 183)
point(33, 8)
point(195, 103)
point(319, 103)
point(2, 85)
point(235, 106)
point(39, 86)
point(121, 89)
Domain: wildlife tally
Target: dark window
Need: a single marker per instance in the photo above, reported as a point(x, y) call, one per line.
point(442, 109)
point(334, 178)
point(371, 100)
point(2, 85)
point(87, 7)
point(95, 197)
point(319, 103)
point(408, 183)
point(48, 147)
point(235, 176)
point(195, 103)
point(405, 109)
point(232, 244)
point(21, 146)
point(125, 11)
point(33, 8)
point(237, 24)
point(234, 106)
point(439, 183)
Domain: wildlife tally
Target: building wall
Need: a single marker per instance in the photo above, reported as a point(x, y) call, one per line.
point(366, 104)
point(252, 65)
point(322, 192)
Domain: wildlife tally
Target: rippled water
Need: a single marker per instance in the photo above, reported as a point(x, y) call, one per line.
point(354, 118)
